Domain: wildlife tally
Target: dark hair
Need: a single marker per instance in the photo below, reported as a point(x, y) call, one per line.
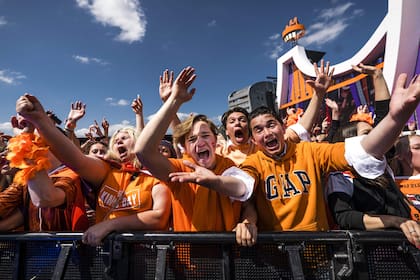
point(263, 110)
point(170, 146)
point(233, 110)
point(90, 143)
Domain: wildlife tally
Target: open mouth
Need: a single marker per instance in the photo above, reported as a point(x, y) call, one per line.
point(273, 143)
point(239, 135)
point(122, 151)
point(203, 155)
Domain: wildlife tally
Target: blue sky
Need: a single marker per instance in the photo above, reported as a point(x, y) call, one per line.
point(105, 54)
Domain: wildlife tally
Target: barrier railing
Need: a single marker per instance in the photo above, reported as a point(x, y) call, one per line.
point(167, 255)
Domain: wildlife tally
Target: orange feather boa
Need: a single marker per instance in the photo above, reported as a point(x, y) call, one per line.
point(29, 153)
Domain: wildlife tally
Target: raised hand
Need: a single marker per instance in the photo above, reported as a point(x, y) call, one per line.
point(362, 109)
point(105, 126)
point(90, 136)
point(95, 129)
point(332, 104)
point(77, 111)
point(137, 105)
point(165, 85)
point(30, 108)
point(404, 100)
point(323, 78)
point(367, 69)
point(182, 83)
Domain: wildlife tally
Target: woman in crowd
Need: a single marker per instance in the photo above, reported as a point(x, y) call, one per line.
point(365, 204)
point(408, 154)
point(128, 199)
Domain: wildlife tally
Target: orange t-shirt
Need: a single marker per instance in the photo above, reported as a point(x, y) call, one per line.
point(289, 191)
point(124, 193)
point(197, 208)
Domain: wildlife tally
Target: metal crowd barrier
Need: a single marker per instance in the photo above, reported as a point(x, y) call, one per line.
point(168, 255)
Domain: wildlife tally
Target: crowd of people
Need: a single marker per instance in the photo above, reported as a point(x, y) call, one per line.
point(265, 173)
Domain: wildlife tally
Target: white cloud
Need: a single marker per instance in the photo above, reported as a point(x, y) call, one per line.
point(275, 46)
point(113, 102)
point(333, 13)
point(331, 24)
point(2, 21)
point(275, 53)
point(88, 60)
point(11, 77)
point(123, 102)
point(324, 35)
point(81, 59)
point(126, 15)
point(6, 128)
point(212, 23)
point(275, 37)
point(358, 12)
point(81, 133)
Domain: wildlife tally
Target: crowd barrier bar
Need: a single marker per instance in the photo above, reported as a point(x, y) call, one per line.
point(208, 255)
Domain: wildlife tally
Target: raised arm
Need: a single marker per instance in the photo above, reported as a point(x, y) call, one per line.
point(404, 101)
point(335, 118)
point(105, 126)
point(165, 90)
point(77, 111)
point(147, 144)
point(382, 95)
point(91, 169)
point(320, 86)
point(379, 83)
point(137, 106)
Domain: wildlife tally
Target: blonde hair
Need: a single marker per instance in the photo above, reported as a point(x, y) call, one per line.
point(131, 131)
point(182, 129)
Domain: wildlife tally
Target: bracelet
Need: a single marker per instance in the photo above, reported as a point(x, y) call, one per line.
point(29, 153)
point(70, 124)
